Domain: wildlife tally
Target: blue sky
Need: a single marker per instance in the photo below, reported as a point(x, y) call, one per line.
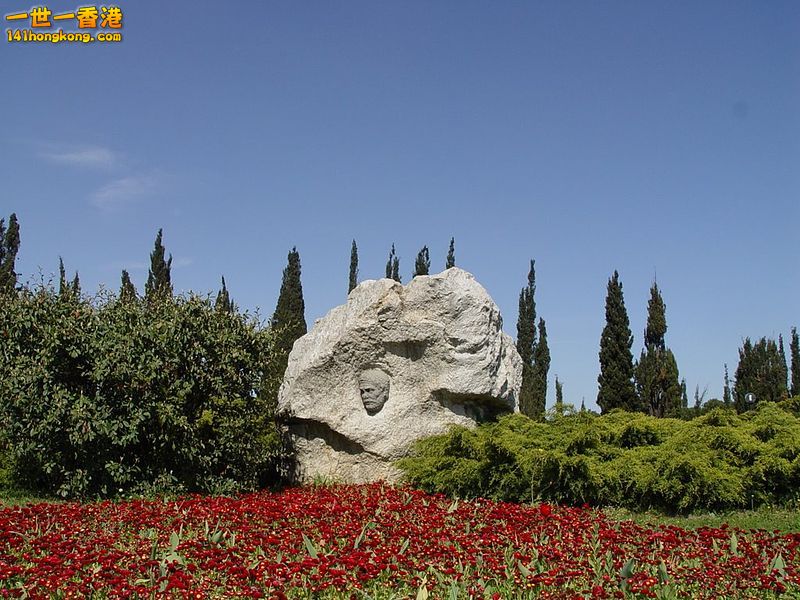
point(655, 138)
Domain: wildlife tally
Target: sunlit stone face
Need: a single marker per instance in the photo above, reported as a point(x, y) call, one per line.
point(374, 388)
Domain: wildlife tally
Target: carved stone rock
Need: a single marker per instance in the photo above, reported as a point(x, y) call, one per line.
point(395, 364)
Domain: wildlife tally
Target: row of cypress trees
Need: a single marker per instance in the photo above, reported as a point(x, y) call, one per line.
point(651, 384)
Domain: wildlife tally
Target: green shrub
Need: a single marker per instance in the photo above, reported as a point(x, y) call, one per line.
point(103, 396)
point(720, 460)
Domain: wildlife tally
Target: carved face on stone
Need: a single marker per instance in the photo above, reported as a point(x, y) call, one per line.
point(374, 388)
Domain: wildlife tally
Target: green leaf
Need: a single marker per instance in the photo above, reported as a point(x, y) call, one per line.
point(778, 564)
point(360, 538)
point(422, 592)
point(663, 575)
point(312, 551)
point(526, 572)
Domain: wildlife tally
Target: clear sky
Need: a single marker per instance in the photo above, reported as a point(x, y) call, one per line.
point(661, 139)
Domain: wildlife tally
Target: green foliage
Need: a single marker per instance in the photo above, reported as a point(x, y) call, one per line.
point(105, 396)
point(393, 266)
point(762, 372)
point(159, 280)
point(656, 373)
point(289, 317)
point(541, 368)
point(726, 388)
point(722, 460)
point(616, 361)
point(127, 290)
point(422, 265)
point(794, 352)
point(9, 247)
point(223, 301)
point(353, 268)
point(526, 346)
point(451, 255)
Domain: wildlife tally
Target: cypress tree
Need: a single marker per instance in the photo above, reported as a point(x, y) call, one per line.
point(794, 350)
point(389, 263)
point(684, 396)
point(158, 278)
point(526, 345)
point(223, 302)
point(353, 268)
point(127, 291)
point(559, 397)
point(656, 371)
point(698, 399)
point(759, 372)
point(9, 247)
point(726, 390)
point(75, 286)
point(393, 266)
point(63, 286)
point(422, 266)
point(616, 361)
point(289, 318)
point(541, 367)
point(451, 254)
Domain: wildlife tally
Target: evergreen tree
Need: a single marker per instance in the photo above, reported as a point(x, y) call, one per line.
point(698, 399)
point(423, 264)
point(541, 367)
point(75, 286)
point(726, 390)
point(526, 345)
point(559, 397)
point(794, 350)
point(389, 263)
point(393, 266)
point(684, 395)
point(656, 372)
point(127, 291)
point(289, 318)
point(158, 278)
point(616, 361)
point(451, 254)
point(9, 247)
point(759, 373)
point(63, 286)
point(353, 268)
point(223, 302)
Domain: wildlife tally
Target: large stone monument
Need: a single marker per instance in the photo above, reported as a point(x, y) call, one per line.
point(395, 364)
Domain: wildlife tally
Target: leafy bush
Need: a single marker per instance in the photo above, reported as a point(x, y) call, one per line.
point(106, 396)
point(718, 461)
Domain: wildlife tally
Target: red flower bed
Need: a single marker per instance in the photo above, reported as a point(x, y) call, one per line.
point(384, 541)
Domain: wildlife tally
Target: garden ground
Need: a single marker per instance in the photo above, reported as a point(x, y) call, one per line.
point(377, 541)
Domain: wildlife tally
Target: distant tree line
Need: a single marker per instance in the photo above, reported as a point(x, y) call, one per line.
point(87, 379)
point(651, 385)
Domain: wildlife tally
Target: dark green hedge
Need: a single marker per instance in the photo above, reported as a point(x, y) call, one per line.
point(101, 397)
point(718, 461)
